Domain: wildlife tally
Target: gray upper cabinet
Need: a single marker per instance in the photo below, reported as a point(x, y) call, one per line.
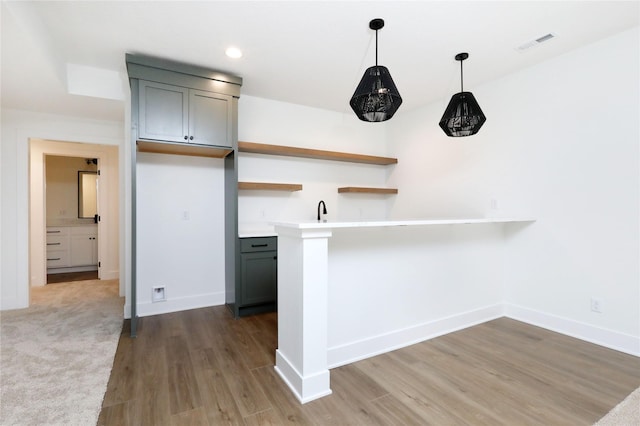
point(209, 118)
point(179, 114)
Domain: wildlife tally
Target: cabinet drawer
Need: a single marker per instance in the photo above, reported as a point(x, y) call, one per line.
point(57, 230)
point(248, 245)
point(57, 259)
point(57, 242)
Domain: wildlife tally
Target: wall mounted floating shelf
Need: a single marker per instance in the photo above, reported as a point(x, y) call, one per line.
point(182, 149)
point(361, 190)
point(291, 187)
point(289, 151)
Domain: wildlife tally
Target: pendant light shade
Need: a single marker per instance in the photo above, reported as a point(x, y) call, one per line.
point(376, 98)
point(463, 116)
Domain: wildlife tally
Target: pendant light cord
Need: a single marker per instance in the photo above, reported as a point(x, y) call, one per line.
point(376, 48)
point(461, 79)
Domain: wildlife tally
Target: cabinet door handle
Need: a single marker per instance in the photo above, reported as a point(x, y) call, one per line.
point(53, 244)
point(190, 137)
point(259, 245)
point(53, 232)
point(55, 258)
point(186, 137)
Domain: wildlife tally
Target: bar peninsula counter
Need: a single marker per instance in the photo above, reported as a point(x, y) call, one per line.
point(351, 290)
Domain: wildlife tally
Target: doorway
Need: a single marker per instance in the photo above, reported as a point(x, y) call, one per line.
point(55, 206)
point(71, 211)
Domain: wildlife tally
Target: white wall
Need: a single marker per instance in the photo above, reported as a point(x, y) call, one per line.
point(61, 192)
point(278, 123)
point(391, 287)
point(17, 128)
point(180, 232)
point(561, 144)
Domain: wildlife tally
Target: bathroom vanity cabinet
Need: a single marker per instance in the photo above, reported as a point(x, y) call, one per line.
point(72, 248)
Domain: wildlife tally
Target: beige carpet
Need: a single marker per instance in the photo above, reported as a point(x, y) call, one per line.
point(627, 413)
point(56, 356)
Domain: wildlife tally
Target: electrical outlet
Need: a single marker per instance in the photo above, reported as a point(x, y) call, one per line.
point(596, 305)
point(158, 294)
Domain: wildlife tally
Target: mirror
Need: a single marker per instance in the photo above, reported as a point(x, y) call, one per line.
point(87, 194)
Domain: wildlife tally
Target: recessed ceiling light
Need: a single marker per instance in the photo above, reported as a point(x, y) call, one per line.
point(233, 52)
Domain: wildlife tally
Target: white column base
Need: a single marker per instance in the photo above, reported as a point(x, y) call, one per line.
point(304, 388)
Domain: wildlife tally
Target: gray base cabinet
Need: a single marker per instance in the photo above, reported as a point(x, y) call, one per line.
point(257, 284)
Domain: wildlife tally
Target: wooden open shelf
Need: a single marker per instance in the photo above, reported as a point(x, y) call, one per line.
point(182, 149)
point(361, 190)
point(259, 148)
point(291, 187)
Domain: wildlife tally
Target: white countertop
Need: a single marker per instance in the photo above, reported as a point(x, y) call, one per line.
point(387, 223)
point(256, 230)
point(89, 222)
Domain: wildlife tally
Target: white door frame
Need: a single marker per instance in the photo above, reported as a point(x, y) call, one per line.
point(39, 148)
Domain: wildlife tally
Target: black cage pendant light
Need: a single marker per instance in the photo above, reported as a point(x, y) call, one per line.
point(463, 116)
point(376, 98)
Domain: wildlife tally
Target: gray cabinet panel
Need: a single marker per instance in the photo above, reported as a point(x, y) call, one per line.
point(209, 118)
point(163, 112)
point(259, 277)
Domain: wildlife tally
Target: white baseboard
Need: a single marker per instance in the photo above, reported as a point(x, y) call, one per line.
point(8, 304)
point(146, 309)
point(600, 336)
point(88, 268)
point(366, 348)
point(110, 275)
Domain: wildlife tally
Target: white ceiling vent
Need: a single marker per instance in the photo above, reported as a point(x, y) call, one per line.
point(536, 42)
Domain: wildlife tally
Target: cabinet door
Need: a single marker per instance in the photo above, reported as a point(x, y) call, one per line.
point(259, 277)
point(82, 250)
point(163, 112)
point(209, 118)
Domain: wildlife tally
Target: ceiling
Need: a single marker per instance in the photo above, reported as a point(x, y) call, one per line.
point(304, 52)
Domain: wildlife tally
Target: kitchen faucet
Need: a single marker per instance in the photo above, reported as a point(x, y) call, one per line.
point(324, 209)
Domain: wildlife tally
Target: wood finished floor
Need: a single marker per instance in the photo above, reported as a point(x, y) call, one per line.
point(201, 367)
